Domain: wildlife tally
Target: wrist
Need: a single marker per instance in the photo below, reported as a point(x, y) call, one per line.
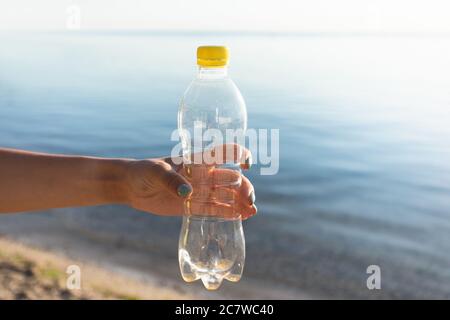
point(113, 178)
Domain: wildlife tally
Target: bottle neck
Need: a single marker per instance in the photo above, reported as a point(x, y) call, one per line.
point(212, 73)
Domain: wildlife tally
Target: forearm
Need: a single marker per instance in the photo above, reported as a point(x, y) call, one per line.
point(37, 181)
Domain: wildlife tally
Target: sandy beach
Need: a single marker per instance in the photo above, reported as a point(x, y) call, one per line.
point(31, 273)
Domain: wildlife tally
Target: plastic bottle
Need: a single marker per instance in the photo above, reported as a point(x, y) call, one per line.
point(211, 248)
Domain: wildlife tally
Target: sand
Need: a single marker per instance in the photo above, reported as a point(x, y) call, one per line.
point(31, 273)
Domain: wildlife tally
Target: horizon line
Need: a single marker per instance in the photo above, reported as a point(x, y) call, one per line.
point(193, 32)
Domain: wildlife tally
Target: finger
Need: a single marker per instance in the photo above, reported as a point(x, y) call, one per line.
point(243, 192)
point(218, 155)
point(225, 177)
point(245, 198)
point(220, 210)
point(246, 192)
point(228, 153)
point(173, 181)
point(247, 211)
point(211, 208)
point(214, 177)
point(234, 180)
point(206, 193)
point(224, 184)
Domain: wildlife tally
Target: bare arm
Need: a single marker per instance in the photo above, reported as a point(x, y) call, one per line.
point(38, 181)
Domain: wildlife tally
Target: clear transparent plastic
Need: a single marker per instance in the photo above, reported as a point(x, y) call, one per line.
point(211, 248)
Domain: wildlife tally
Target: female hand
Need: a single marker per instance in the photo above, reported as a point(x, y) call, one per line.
point(40, 181)
point(161, 186)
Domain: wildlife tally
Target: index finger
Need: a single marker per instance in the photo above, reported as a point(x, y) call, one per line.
point(217, 155)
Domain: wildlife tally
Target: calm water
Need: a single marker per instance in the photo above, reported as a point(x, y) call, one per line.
point(365, 151)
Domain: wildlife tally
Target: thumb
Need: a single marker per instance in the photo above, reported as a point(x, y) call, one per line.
point(175, 183)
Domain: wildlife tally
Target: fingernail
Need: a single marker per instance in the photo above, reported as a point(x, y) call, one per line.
point(247, 163)
point(252, 197)
point(184, 190)
point(256, 209)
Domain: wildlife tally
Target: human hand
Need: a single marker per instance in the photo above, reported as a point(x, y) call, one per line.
point(161, 186)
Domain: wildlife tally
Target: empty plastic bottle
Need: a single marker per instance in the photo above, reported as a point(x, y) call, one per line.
point(211, 248)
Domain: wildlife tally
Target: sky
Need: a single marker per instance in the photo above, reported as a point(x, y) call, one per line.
point(230, 15)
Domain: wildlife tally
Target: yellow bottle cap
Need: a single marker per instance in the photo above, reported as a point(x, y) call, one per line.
point(212, 56)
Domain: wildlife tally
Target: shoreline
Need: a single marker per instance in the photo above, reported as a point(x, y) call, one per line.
point(29, 271)
point(137, 246)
